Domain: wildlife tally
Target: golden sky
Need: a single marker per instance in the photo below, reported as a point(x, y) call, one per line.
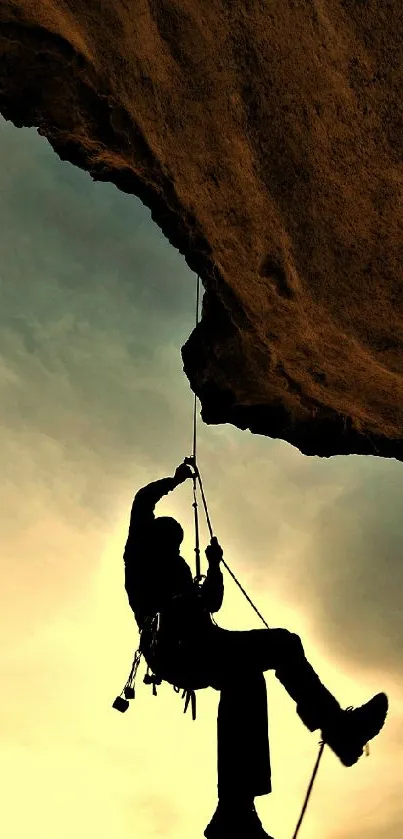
point(95, 305)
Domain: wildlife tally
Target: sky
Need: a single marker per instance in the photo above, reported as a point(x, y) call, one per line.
point(95, 306)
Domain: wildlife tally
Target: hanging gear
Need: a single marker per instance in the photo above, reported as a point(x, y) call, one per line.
point(121, 702)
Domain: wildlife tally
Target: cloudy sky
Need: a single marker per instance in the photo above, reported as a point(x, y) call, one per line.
point(95, 305)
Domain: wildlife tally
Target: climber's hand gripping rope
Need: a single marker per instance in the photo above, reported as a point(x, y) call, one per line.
point(183, 472)
point(214, 552)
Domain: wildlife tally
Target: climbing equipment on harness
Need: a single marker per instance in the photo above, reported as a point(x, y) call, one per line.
point(121, 702)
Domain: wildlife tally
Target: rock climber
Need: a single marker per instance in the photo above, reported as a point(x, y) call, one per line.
point(189, 647)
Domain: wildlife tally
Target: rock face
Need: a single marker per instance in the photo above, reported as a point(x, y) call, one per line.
point(267, 139)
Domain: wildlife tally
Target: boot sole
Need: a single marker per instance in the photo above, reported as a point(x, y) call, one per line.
point(224, 828)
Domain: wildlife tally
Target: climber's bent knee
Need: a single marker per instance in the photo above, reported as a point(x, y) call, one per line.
point(270, 648)
point(286, 642)
point(295, 644)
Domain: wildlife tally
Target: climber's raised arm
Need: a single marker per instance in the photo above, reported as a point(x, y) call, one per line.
point(142, 512)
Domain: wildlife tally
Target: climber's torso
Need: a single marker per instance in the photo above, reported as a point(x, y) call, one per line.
point(165, 587)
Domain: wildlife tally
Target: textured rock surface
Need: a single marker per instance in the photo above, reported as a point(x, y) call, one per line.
point(267, 140)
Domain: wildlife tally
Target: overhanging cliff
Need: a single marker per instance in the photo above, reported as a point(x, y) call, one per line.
point(266, 138)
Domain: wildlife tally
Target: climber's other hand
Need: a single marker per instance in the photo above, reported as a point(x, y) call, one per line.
point(214, 552)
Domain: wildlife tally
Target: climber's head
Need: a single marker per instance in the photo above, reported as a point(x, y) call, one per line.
point(166, 535)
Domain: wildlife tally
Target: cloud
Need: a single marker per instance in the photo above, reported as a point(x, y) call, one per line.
point(357, 568)
point(89, 353)
point(90, 336)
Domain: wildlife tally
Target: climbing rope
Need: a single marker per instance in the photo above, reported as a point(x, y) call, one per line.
point(309, 790)
point(193, 463)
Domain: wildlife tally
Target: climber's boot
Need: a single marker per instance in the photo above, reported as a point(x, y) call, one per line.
point(347, 732)
point(236, 822)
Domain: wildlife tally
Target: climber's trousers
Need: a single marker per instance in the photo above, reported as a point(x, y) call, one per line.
point(243, 754)
point(233, 662)
point(238, 660)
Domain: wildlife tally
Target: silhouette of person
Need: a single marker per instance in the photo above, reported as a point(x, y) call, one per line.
point(188, 648)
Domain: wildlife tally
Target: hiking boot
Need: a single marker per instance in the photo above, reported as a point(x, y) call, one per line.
point(349, 731)
point(235, 822)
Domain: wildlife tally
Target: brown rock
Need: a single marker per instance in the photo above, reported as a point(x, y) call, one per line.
point(267, 140)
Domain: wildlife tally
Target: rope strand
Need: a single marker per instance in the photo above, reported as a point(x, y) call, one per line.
point(197, 546)
point(309, 790)
point(195, 397)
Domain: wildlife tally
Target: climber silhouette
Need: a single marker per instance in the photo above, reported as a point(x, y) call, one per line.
point(189, 648)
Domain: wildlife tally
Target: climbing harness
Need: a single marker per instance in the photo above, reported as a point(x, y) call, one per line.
point(121, 702)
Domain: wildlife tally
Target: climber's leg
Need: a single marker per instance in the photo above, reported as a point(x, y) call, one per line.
point(243, 758)
point(281, 651)
point(315, 704)
point(227, 653)
point(346, 732)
